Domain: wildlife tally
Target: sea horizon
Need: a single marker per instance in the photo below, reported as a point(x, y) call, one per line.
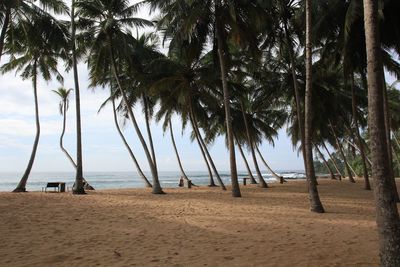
point(127, 179)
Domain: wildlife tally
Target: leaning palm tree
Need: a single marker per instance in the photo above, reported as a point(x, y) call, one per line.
point(388, 219)
point(106, 28)
point(34, 51)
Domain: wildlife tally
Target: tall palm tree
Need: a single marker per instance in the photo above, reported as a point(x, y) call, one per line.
point(388, 219)
point(106, 25)
point(34, 51)
point(315, 202)
point(78, 187)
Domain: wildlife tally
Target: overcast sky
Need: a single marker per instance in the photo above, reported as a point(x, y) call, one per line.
point(102, 147)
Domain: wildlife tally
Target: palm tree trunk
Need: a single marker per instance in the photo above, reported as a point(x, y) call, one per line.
point(387, 215)
point(176, 151)
point(278, 178)
point(333, 161)
point(62, 145)
point(139, 170)
point(200, 138)
point(147, 117)
point(21, 187)
point(325, 162)
point(315, 202)
point(340, 148)
point(252, 180)
point(231, 144)
point(386, 111)
point(6, 22)
point(261, 180)
point(78, 187)
point(156, 183)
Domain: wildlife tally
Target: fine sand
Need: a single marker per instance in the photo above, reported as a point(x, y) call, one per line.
point(190, 227)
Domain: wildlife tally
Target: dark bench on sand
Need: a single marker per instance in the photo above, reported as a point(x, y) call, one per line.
point(58, 187)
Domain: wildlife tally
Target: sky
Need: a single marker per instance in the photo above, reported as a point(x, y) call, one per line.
point(102, 147)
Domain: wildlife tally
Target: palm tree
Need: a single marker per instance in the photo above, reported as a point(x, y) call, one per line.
point(78, 187)
point(64, 93)
point(106, 25)
point(315, 202)
point(34, 52)
point(388, 220)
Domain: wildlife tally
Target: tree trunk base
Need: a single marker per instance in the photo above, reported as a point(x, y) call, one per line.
point(158, 192)
point(236, 194)
point(212, 185)
point(78, 191)
point(263, 186)
point(19, 190)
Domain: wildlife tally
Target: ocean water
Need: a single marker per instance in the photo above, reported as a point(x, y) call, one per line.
point(117, 180)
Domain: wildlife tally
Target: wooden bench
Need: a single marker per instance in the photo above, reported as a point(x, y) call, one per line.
point(58, 187)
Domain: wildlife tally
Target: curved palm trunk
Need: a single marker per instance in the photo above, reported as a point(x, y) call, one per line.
point(88, 186)
point(261, 180)
point(315, 202)
point(78, 187)
point(139, 170)
point(367, 185)
point(278, 178)
point(156, 183)
point(21, 187)
point(6, 22)
point(340, 148)
point(387, 215)
point(252, 180)
point(326, 163)
point(333, 161)
point(176, 151)
point(147, 117)
point(200, 138)
point(386, 111)
point(231, 145)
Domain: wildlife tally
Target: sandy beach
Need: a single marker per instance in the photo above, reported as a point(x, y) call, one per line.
point(190, 227)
